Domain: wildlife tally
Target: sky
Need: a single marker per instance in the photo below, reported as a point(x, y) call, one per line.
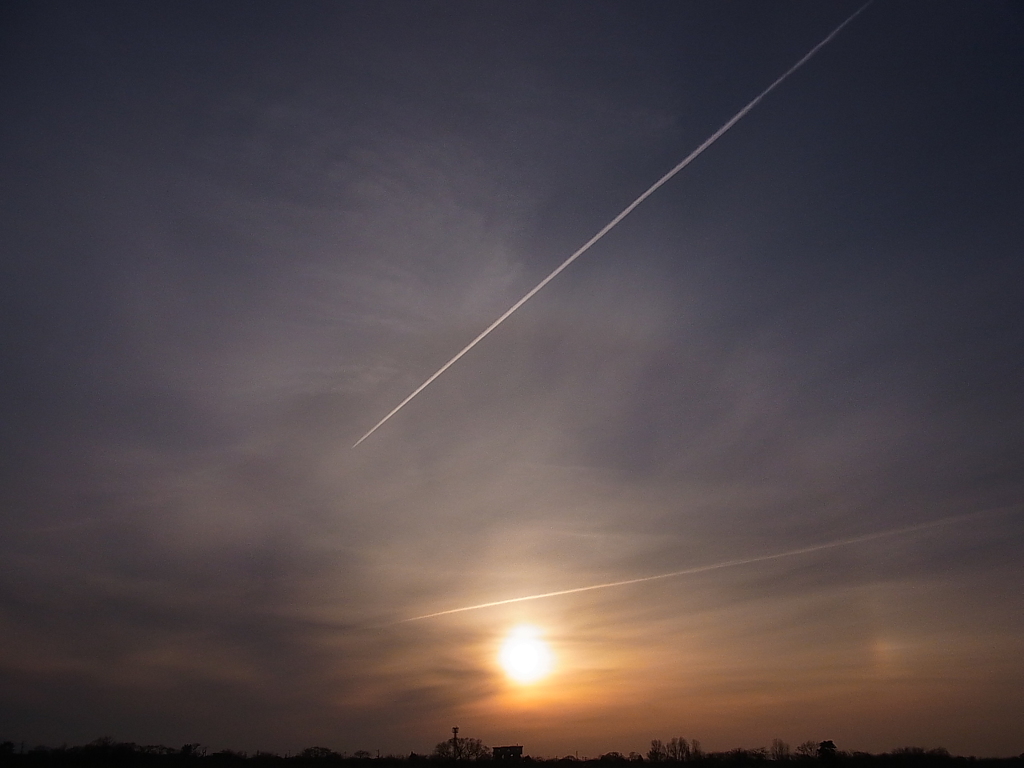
point(235, 235)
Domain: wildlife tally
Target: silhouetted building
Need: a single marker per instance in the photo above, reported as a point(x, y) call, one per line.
point(510, 754)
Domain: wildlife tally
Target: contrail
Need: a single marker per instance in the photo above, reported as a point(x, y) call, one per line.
point(628, 210)
point(712, 567)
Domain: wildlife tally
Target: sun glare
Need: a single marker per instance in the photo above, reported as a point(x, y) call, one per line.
point(524, 656)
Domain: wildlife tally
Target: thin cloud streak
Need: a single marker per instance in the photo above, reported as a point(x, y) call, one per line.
point(714, 566)
point(625, 212)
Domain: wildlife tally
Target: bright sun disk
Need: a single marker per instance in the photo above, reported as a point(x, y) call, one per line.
point(524, 656)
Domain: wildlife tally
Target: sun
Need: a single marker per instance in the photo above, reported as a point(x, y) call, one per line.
point(524, 656)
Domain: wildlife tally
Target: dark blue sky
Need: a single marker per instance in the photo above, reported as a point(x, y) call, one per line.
point(235, 235)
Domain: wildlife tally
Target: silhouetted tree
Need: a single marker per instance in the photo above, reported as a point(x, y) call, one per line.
point(160, 749)
point(779, 750)
point(192, 750)
point(443, 751)
point(657, 751)
point(807, 749)
point(457, 748)
point(475, 750)
point(827, 750)
point(678, 749)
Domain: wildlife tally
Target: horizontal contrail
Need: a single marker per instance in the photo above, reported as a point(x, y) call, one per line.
point(712, 567)
point(628, 210)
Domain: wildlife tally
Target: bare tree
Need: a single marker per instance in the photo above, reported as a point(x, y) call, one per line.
point(657, 751)
point(807, 749)
point(678, 749)
point(779, 750)
point(457, 748)
point(474, 749)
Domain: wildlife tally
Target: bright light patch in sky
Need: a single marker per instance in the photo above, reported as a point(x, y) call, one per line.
point(524, 656)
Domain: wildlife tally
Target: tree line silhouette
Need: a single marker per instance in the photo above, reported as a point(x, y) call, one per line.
point(108, 753)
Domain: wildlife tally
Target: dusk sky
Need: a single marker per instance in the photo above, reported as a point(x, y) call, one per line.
point(235, 235)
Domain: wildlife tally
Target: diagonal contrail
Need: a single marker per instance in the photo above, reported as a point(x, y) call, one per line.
point(711, 567)
point(628, 210)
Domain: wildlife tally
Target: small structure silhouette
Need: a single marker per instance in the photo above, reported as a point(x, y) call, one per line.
point(507, 754)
